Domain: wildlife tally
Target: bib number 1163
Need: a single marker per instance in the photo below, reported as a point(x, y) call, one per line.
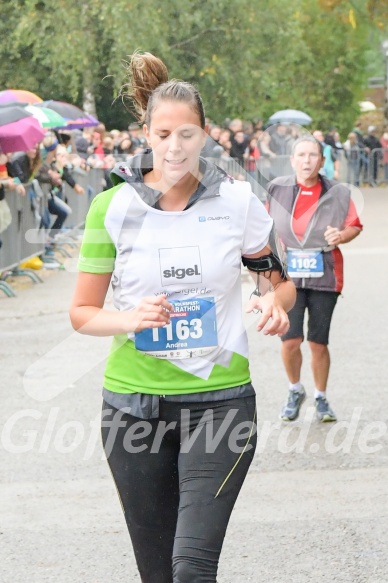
point(191, 332)
point(184, 329)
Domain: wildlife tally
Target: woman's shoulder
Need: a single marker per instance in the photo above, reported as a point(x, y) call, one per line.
point(101, 201)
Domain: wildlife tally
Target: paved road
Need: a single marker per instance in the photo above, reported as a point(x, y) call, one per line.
point(314, 506)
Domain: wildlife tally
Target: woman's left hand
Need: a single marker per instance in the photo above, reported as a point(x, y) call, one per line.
point(271, 309)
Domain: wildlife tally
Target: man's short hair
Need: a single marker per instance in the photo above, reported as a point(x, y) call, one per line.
point(307, 139)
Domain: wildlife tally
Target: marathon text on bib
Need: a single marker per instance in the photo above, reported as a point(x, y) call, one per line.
point(304, 263)
point(191, 332)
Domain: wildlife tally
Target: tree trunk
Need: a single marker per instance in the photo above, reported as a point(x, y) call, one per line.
point(89, 101)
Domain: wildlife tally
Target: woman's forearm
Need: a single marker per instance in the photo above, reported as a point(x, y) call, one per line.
point(150, 312)
point(100, 322)
point(285, 293)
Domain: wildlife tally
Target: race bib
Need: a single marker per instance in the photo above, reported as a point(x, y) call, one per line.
point(191, 332)
point(304, 263)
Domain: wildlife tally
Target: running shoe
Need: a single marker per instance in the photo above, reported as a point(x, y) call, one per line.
point(324, 411)
point(290, 411)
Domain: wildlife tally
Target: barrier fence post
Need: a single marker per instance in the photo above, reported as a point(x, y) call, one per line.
point(10, 251)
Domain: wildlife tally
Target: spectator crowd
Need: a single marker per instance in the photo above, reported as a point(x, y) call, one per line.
point(246, 150)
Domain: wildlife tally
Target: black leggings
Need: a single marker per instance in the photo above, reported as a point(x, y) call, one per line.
point(178, 487)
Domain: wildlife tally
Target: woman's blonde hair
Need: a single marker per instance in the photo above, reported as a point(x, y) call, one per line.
point(35, 162)
point(148, 84)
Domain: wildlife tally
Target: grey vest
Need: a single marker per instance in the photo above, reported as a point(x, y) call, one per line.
point(332, 210)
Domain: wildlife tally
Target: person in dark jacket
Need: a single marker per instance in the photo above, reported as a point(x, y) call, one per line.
point(373, 149)
point(239, 145)
point(279, 140)
point(54, 172)
point(24, 166)
point(313, 217)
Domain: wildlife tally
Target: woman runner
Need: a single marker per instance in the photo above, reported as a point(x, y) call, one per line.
point(178, 422)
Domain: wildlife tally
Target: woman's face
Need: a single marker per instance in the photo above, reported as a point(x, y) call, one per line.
point(307, 161)
point(126, 145)
point(96, 139)
point(176, 138)
point(31, 153)
point(61, 155)
point(224, 137)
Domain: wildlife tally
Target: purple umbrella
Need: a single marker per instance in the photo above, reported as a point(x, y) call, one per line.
point(20, 135)
point(85, 122)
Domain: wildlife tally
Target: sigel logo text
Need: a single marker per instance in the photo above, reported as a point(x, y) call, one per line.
point(181, 272)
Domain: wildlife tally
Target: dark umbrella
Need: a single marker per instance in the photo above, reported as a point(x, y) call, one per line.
point(290, 116)
point(48, 118)
point(12, 112)
point(75, 117)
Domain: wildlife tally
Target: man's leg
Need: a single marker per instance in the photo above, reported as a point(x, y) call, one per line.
point(320, 365)
point(292, 340)
point(320, 308)
point(292, 358)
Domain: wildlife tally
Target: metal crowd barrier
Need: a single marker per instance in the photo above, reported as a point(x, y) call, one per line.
point(360, 167)
point(24, 239)
point(271, 168)
point(30, 220)
point(92, 182)
point(378, 166)
point(10, 251)
point(15, 247)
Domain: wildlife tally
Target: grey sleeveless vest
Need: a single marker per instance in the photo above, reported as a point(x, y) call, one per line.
point(332, 210)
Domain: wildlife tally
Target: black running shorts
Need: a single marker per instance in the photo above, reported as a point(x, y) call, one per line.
point(320, 307)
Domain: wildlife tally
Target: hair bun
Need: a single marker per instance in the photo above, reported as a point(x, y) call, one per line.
point(145, 72)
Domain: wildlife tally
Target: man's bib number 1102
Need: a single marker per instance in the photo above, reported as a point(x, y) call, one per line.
point(304, 263)
point(191, 332)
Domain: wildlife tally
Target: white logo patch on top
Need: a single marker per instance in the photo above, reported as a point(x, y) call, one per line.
point(180, 264)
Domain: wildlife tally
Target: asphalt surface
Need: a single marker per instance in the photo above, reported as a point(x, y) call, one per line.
point(314, 505)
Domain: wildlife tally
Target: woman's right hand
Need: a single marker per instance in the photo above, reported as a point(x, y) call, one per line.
point(55, 177)
point(88, 316)
point(150, 312)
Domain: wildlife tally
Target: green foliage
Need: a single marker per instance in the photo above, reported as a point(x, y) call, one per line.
point(249, 58)
point(334, 68)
